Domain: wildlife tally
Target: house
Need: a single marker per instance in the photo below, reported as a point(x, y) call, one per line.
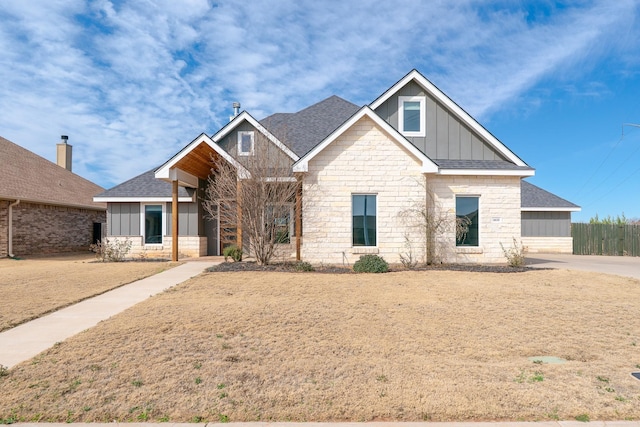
point(360, 170)
point(546, 221)
point(44, 207)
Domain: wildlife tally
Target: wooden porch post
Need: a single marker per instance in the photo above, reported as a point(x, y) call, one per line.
point(174, 221)
point(239, 214)
point(298, 218)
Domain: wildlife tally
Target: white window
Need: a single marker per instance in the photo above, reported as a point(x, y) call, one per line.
point(411, 115)
point(245, 143)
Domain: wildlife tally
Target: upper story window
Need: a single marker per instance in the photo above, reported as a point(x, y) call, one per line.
point(411, 115)
point(245, 143)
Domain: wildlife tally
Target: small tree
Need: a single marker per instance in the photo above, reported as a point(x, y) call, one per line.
point(429, 218)
point(259, 200)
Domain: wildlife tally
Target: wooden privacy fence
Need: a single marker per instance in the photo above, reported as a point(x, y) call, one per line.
point(605, 239)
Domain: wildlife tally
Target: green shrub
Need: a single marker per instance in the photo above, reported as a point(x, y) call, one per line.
point(371, 264)
point(233, 252)
point(303, 266)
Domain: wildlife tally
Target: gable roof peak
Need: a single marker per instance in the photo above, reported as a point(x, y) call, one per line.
point(452, 107)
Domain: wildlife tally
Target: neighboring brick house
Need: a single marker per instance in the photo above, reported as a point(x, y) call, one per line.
point(44, 207)
point(360, 169)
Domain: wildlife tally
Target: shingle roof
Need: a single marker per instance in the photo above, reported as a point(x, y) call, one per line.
point(479, 164)
point(305, 129)
point(532, 196)
point(145, 185)
point(26, 176)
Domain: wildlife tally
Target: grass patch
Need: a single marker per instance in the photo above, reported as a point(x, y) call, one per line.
point(34, 287)
point(403, 346)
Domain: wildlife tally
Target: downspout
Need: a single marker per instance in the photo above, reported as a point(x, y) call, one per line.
point(10, 248)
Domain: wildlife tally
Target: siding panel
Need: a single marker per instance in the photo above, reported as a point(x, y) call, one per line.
point(546, 224)
point(123, 219)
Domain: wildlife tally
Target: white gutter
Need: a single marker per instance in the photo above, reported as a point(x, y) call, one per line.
point(10, 251)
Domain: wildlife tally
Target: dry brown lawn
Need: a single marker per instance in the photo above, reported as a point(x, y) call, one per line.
point(30, 288)
point(411, 346)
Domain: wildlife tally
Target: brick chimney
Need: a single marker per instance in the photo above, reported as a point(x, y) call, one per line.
point(64, 153)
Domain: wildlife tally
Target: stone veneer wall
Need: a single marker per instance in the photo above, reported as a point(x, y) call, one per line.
point(548, 245)
point(4, 229)
point(500, 220)
point(188, 246)
point(364, 160)
point(46, 229)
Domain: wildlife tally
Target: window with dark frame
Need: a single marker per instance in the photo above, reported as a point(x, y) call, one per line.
point(282, 224)
point(152, 224)
point(467, 221)
point(364, 220)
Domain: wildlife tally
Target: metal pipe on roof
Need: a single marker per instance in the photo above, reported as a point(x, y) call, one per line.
point(10, 248)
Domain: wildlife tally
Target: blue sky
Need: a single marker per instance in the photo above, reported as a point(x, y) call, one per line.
point(133, 82)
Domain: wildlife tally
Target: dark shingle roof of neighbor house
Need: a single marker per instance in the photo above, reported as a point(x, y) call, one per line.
point(26, 176)
point(479, 164)
point(532, 196)
point(145, 185)
point(305, 129)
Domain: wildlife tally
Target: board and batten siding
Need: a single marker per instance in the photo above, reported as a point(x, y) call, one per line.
point(546, 224)
point(447, 137)
point(230, 144)
point(189, 219)
point(123, 219)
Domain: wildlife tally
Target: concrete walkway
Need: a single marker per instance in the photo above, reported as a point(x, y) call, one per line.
point(29, 339)
point(621, 265)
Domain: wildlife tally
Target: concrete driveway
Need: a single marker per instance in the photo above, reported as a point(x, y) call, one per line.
point(620, 265)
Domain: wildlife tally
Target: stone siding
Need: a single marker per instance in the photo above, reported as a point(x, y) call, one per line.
point(47, 229)
point(548, 245)
point(365, 160)
point(499, 203)
point(188, 246)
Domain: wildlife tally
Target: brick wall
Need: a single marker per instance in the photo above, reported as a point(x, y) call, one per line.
point(45, 229)
point(364, 160)
point(4, 229)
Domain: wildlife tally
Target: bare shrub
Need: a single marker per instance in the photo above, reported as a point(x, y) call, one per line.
point(258, 200)
point(113, 250)
point(408, 259)
point(515, 254)
point(430, 220)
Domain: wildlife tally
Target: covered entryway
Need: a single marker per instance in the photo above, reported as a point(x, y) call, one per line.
point(191, 168)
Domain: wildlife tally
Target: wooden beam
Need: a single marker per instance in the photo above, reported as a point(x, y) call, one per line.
point(239, 214)
point(174, 222)
point(298, 219)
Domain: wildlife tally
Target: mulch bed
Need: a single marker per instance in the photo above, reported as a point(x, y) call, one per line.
point(334, 269)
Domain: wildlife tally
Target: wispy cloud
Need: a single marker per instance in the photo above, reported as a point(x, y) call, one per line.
point(133, 82)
